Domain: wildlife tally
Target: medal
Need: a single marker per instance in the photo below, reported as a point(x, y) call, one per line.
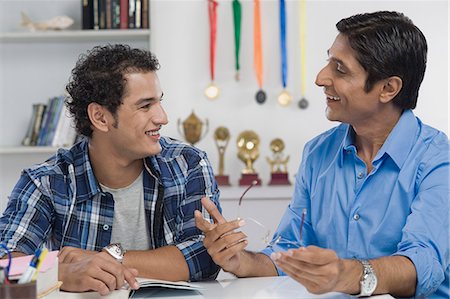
point(212, 91)
point(284, 98)
point(303, 102)
point(257, 50)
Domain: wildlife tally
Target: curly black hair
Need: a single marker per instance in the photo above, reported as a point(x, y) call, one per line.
point(387, 43)
point(99, 77)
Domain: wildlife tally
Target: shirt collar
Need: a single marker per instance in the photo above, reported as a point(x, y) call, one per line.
point(84, 172)
point(396, 145)
point(401, 139)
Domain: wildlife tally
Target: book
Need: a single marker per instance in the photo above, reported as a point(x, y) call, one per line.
point(34, 115)
point(47, 279)
point(124, 293)
point(123, 14)
point(87, 14)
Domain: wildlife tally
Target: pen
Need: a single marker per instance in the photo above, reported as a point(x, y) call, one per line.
point(28, 274)
point(2, 275)
point(5, 279)
point(39, 263)
point(301, 224)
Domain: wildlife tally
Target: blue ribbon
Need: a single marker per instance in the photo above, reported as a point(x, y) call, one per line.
point(283, 42)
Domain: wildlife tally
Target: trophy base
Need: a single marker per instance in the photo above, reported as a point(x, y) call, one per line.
point(279, 179)
point(223, 180)
point(247, 179)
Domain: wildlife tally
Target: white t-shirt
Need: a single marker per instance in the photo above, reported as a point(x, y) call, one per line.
point(130, 227)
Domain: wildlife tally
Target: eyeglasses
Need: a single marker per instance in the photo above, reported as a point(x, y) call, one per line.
point(264, 237)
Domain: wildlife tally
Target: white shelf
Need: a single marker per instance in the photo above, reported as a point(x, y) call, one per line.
point(77, 35)
point(257, 192)
point(19, 150)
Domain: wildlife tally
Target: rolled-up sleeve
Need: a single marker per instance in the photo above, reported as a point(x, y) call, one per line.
point(425, 238)
point(200, 182)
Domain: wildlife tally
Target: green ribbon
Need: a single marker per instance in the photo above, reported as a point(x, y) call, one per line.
point(237, 17)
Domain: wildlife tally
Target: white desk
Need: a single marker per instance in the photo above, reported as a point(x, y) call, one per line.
point(257, 288)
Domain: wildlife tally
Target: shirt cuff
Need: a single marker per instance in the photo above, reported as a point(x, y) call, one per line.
point(268, 251)
point(200, 264)
point(430, 274)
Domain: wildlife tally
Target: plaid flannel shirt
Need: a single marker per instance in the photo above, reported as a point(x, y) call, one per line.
point(60, 202)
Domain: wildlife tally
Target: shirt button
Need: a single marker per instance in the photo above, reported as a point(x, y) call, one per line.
point(360, 175)
point(356, 217)
point(105, 226)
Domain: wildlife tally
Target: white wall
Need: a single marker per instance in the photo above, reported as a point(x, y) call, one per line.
point(180, 39)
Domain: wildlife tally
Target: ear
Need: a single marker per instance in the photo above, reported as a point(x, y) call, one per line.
point(98, 115)
point(391, 88)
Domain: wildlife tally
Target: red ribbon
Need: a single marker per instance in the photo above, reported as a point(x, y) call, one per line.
point(212, 12)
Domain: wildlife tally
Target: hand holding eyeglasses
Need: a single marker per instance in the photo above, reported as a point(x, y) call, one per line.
point(222, 241)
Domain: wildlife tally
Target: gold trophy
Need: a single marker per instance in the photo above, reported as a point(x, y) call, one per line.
point(278, 165)
point(221, 137)
point(248, 152)
point(192, 128)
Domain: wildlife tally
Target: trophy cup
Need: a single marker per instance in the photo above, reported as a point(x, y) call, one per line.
point(221, 137)
point(278, 165)
point(248, 152)
point(192, 128)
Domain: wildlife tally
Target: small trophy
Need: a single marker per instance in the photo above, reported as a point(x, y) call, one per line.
point(248, 152)
point(192, 128)
point(278, 165)
point(221, 137)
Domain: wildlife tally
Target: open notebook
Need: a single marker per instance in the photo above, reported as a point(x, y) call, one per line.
point(124, 293)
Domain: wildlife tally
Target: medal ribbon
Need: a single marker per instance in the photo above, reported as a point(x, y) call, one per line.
point(302, 24)
point(257, 47)
point(212, 12)
point(237, 16)
point(283, 42)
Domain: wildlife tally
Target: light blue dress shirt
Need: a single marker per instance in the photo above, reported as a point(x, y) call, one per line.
point(400, 208)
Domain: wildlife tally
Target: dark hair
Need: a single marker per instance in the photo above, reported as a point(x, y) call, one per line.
point(99, 77)
point(388, 44)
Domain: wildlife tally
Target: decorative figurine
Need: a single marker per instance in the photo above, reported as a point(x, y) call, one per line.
point(192, 128)
point(221, 138)
point(248, 152)
point(278, 165)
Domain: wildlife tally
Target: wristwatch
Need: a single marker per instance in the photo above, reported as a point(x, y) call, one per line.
point(368, 280)
point(116, 251)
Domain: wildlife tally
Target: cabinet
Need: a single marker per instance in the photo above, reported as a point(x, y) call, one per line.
point(35, 66)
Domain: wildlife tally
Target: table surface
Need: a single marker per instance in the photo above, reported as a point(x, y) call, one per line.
point(257, 287)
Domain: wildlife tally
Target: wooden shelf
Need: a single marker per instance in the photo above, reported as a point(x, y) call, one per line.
point(77, 35)
point(19, 150)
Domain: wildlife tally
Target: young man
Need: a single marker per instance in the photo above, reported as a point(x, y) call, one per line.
point(376, 187)
point(121, 202)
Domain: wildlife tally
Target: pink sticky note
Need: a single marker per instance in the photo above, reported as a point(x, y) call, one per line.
point(20, 264)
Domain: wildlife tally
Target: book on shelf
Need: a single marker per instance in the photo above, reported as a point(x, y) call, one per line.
point(50, 125)
point(115, 14)
point(146, 285)
point(35, 123)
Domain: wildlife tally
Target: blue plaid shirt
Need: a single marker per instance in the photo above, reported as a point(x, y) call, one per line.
point(60, 202)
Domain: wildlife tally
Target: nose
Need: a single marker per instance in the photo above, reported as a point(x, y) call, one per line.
point(160, 117)
point(323, 78)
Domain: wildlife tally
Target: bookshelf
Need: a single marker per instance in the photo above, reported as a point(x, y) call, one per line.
point(108, 35)
point(35, 66)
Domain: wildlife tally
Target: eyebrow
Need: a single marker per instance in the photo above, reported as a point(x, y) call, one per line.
point(148, 100)
point(336, 60)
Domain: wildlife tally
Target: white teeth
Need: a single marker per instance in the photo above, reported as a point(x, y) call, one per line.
point(333, 98)
point(152, 133)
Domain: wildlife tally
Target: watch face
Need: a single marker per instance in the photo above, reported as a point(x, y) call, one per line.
point(369, 283)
